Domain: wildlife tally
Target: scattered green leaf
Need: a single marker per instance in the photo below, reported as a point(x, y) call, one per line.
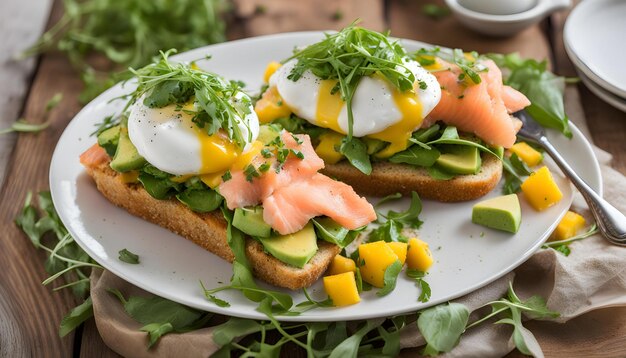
point(128, 257)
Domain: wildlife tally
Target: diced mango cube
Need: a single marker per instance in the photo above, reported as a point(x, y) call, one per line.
point(271, 106)
point(568, 226)
point(341, 264)
point(342, 289)
point(400, 249)
point(527, 154)
point(540, 189)
point(418, 255)
point(270, 69)
point(327, 148)
point(374, 258)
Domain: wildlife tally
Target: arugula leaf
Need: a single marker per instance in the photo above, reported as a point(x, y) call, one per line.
point(128, 257)
point(24, 127)
point(564, 249)
point(440, 174)
point(233, 328)
point(350, 346)
point(442, 326)
point(157, 188)
point(514, 171)
point(161, 316)
point(542, 87)
point(562, 246)
point(76, 317)
point(418, 276)
point(416, 155)
point(389, 231)
point(330, 231)
point(348, 56)
point(390, 278)
point(409, 217)
point(218, 301)
point(356, 152)
point(200, 200)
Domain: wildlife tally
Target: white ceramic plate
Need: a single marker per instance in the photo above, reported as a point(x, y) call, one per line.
point(467, 256)
point(608, 97)
point(594, 36)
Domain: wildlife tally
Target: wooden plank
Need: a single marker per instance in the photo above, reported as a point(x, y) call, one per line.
point(36, 310)
point(21, 23)
point(92, 345)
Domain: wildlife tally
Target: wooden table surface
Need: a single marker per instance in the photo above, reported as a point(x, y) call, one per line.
point(30, 313)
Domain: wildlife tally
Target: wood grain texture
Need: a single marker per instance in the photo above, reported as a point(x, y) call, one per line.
point(21, 23)
point(37, 311)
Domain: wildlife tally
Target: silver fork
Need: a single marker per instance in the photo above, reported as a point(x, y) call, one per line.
point(611, 222)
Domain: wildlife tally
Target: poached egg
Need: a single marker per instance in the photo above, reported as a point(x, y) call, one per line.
point(380, 110)
point(168, 139)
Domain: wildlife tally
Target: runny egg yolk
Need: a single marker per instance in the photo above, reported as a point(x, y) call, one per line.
point(329, 107)
point(217, 151)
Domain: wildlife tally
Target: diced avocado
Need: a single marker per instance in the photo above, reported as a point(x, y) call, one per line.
point(501, 213)
point(459, 159)
point(373, 145)
point(108, 139)
point(499, 150)
point(250, 221)
point(126, 156)
point(267, 133)
point(294, 249)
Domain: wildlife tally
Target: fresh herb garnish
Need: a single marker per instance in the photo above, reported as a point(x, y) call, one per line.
point(251, 172)
point(418, 276)
point(514, 171)
point(442, 327)
point(218, 101)
point(348, 56)
point(161, 316)
point(22, 126)
point(391, 229)
point(128, 257)
point(227, 176)
point(390, 278)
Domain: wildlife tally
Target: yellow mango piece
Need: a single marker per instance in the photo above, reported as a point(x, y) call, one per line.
point(270, 69)
point(326, 148)
point(540, 189)
point(527, 154)
point(342, 289)
point(341, 264)
point(129, 177)
point(271, 106)
point(374, 258)
point(212, 180)
point(418, 255)
point(400, 249)
point(568, 226)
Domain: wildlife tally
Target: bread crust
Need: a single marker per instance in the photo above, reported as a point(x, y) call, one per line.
point(208, 230)
point(390, 178)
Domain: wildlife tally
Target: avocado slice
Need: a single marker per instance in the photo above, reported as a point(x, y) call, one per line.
point(459, 159)
point(267, 133)
point(126, 157)
point(108, 139)
point(250, 221)
point(294, 249)
point(373, 145)
point(501, 213)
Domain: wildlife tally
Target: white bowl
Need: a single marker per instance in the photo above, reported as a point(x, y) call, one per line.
point(503, 25)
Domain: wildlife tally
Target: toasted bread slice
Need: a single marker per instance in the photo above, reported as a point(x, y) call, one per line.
point(389, 178)
point(208, 230)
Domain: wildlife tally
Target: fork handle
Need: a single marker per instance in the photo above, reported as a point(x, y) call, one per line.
point(612, 222)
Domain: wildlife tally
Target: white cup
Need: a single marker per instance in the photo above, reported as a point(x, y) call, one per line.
point(498, 7)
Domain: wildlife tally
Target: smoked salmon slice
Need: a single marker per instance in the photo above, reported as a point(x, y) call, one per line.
point(240, 192)
point(483, 109)
point(94, 156)
point(297, 192)
point(290, 208)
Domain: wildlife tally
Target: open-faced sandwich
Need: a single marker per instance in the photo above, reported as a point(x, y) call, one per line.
point(386, 121)
point(189, 155)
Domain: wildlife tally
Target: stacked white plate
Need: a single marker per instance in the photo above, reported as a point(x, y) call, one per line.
point(595, 40)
